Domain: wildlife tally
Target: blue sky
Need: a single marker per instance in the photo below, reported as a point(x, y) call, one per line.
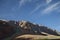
point(44, 12)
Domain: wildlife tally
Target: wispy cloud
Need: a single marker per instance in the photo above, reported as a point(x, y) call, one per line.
point(59, 11)
point(35, 9)
point(23, 2)
point(50, 8)
point(48, 1)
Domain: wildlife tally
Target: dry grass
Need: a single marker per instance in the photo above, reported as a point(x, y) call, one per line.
point(36, 37)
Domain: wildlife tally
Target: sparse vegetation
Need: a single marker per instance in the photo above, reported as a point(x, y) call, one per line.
point(41, 39)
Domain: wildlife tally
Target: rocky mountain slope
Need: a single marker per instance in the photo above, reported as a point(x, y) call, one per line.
point(10, 29)
point(31, 28)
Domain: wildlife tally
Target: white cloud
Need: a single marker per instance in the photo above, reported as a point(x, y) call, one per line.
point(50, 8)
point(23, 2)
point(48, 1)
point(35, 9)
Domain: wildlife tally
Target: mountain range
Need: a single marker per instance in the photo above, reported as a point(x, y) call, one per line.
point(10, 28)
